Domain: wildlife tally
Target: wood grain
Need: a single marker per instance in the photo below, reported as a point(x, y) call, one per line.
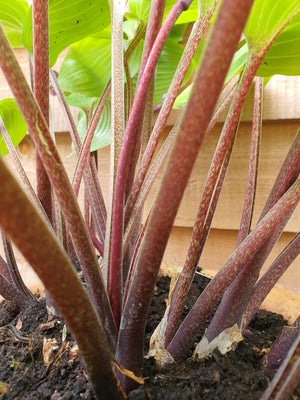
point(281, 120)
point(219, 246)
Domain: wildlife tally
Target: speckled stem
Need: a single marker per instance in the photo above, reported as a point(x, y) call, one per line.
point(253, 162)
point(210, 77)
point(117, 133)
point(41, 90)
point(135, 120)
point(287, 376)
point(36, 241)
point(245, 252)
point(176, 83)
point(60, 183)
point(235, 300)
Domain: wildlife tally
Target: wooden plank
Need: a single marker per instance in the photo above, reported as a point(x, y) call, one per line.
point(221, 242)
point(27, 156)
point(276, 140)
point(58, 119)
point(230, 206)
point(284, 303)
point(281, 108)
point(219, 246)
point(281, 97)
point(281, 101)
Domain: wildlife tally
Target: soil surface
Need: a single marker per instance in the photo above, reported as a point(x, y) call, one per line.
point(32, 370)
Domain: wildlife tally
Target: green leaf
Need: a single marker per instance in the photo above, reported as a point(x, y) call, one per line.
point(238, 63)
point(178, 31)
point(86, 68)
point(12, 17)
point(267, 19)
point(129, 30)
point(79, 101)
point(190, 15)
point(284, 55)
point(166, 67)
point(205, 5)
point(183, 98)
point(102, 133)
point(140, 9)
point(135, 59)
point(14, 123)
point(69, 22)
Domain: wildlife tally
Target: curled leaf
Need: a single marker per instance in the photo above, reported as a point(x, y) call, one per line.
point(157, 342)
point(224, 342)
point(64, 333)
point(4, 387)
point(69, 22)
point(50, 348)
point(130, 374)
point(19, 324)
point(13, 122)
point(74, 352)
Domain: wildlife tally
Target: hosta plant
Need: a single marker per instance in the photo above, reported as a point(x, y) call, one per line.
point(125, 62)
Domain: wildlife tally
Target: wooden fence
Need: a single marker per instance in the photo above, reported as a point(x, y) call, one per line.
point(280, 122)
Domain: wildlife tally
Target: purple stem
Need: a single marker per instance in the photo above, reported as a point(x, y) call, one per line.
point(59, 180)
point(135, 120)
point(198, 239)
point(41, 249)
point(201, 229)
point(253, 162)
point(242, 255)
point(40, 25)
point(155, 166)
point(4, 270)
point(287, 174)
point(287, 377)
point(234, 301)
point(186, 59)
point(210, 77)
point(90, 174)
point(13, 268)
point(281, 346)
point(21, 171)
point(11, 293)
point(96, 243)
point(269, 279)
point(148, 182)
point(240, 289)
point(153, 26)
point(85, 147)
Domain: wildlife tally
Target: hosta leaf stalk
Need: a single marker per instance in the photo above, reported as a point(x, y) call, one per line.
point(100, 269)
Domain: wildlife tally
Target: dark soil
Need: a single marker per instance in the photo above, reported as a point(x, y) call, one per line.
point(238, 375)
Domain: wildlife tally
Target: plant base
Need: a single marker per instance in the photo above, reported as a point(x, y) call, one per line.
point(237, 375)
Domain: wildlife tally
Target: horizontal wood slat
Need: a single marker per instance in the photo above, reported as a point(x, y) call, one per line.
point(281, 97)
point(219, 246)
point(276, 141)
point(281, 101)
point(281, 121)
point(58, 119)
point(27, 156)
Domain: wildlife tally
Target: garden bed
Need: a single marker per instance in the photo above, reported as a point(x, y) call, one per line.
point(238, 375)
